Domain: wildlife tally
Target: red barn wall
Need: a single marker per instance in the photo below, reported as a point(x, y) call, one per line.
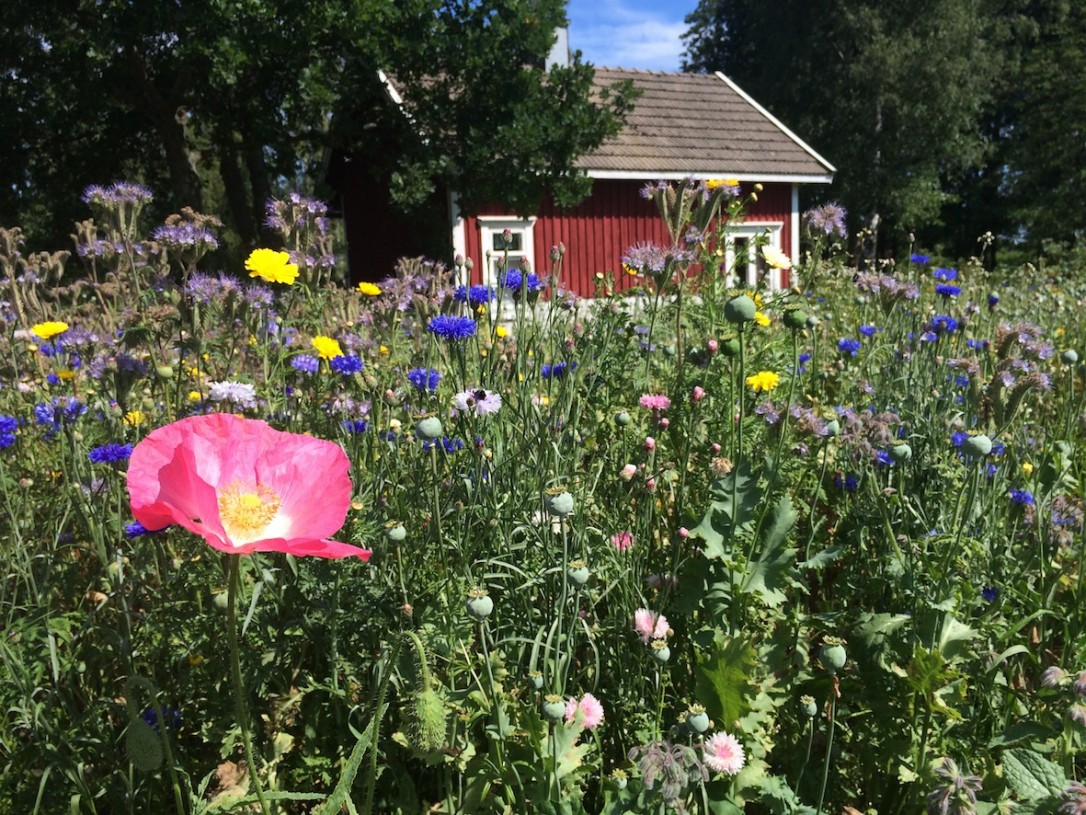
point(599, 230)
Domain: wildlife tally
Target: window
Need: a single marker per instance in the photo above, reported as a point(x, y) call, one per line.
point(497, 245)
point(743, 262)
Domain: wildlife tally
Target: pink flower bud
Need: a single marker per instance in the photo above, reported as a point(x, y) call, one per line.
point(714, 448)
point(699, 393)
point(390, 394)
point(713, 346)
point(664, 423)
point(650, 443)
point(651, 485)
point(684, 532)
point(628, 472)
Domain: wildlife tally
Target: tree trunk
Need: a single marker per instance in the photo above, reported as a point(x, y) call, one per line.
point(236, 193)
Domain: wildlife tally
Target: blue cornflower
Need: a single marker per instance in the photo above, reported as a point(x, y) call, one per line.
point(61, 411)
point(1023, 497)
point(944, 274)
point(452, 328)
point(171, 718)
point(989, 594)
point(847, 345)
point(961, 381)
point(803, 360)
point(8, 426)
point(136, 530)
point(475, 296)
point(920, 260)
point(448, 445)
point(993, 300)
point(943, 324)
point(883, 457)
point(346, 364)
point(849, 483)
point(979, 345)
point(868, 330)
point(52, 379)
point(557, 370)
point(306, 364)
point(355, 425)
point(424, 379)
point(511, 279)
point(947, 290)
point(111, 453)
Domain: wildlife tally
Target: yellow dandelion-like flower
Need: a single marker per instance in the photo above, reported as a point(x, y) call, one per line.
point(1027, 468)
point(776, 258)
point(383, 351)
point(65, 375)
point(48, 329)
point(713, 183)
point(194, 396)
point(369, 289)
point(134, 418)
point(758, 301)
point(763, 381)
point(327, 347)
point(252, 341)
point(501, 332)
point(761, 319)
point(272, 266)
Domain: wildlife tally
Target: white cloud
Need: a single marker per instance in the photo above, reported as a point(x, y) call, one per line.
point(628, 33)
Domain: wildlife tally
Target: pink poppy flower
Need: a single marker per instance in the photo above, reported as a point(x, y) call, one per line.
point(590, 708)
point(654, 401)
point(723, 752)
point(243, 486)
point(622, 540)
point(649, 625)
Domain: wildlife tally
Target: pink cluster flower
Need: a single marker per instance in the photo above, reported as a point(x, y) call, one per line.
point(650, 625)
point(622, 540)
point(591, 711)
point(654, 401)
point(723, 753)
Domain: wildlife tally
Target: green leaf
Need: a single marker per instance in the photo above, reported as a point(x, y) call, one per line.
point(1033, 776)
point(1022, 731)
point(953, 637)
point(772, 571)
point(723, 680)
point(823, 558)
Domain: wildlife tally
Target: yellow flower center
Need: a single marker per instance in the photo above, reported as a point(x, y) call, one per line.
point(247, 514)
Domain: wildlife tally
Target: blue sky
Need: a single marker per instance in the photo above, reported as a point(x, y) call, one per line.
point(629, 33)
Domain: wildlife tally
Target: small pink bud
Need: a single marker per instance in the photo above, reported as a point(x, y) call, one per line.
point(684, 532)
point(628, 472)
point(713, 346)
point(651, 484)
point(664, 423)
point(650, 443)
point(715, 448)
point(390, 394)
point(699, 393)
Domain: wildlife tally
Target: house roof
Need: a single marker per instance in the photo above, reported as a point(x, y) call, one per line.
point(700, 125)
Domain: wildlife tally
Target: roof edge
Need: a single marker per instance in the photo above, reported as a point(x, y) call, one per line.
point(777, 122)
point(631, 175)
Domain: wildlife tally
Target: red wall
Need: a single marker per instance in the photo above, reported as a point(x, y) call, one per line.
point(598, 231)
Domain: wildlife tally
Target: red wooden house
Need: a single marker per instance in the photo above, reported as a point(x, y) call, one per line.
point(683, 125)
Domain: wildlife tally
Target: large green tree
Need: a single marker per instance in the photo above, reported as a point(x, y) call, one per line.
point(221, 103)
point(891, 91)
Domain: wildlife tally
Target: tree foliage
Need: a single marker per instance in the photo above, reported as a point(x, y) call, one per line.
point(222, 102)
point(891, 92)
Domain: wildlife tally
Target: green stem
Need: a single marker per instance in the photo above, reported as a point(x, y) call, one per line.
point(829, 751)
point(240, 707)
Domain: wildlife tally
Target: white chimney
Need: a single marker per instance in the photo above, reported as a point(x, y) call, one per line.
point(559, 54)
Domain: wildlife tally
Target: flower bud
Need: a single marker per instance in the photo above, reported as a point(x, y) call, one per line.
point(977, 446)
point(479, 605)
point(901, 452)
point(622, 418)
point(795, 318)
point(429, 428)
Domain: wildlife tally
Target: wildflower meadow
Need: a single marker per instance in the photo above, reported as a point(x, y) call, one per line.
point(274, 543)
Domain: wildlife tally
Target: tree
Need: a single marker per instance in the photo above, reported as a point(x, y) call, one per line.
point(892, 92)
point(238, 98)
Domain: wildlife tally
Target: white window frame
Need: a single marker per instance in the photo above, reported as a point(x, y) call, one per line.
point(748, 231)
point(491, 225)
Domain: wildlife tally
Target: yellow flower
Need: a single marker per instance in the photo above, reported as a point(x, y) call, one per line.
point(501, 332)
point(761, 319)
point(65, 374)
point(776, 258)
point(383, 351)
point(196, 660)
point(49, 329)
point(134, 418)
point(395, 425)
point(272, 266)
point(369, 289)
point(758, 301)
point(763, 381)
point(327, 347)
point(482, 352)
point(713, 183)
point(1027, 468)
point(195, 396)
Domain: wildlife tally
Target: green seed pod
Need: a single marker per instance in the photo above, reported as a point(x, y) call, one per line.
point(578, 572)
point(560, 504)
point(833, 654)
point(730, 347)
point(808, 706)
point(164, 372)
point(813, 321)
point(660, 652)
point(221, 600)
point(622, 418)
point(697, 720)
point(427, 721)
point(395, 531)
point(901, 452)
point(429, 428)
point(739, 309)
point(479, 605)
point(535, 679)
point(1069, 357)
point(554, 707)
point(795, 318)
point(977, 446)
point(833, 428)
point(143, 746)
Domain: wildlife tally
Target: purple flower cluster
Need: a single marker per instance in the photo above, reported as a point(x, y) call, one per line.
point(186, 235)
point(60, 412)
point(119, 192)
point(305, 364)
point(515, 280)
point(829, 219)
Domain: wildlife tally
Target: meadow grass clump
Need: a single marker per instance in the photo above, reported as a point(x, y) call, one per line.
point(695, 547)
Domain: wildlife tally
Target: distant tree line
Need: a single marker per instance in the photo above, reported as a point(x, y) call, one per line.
point(945, 118)
point(219, 104)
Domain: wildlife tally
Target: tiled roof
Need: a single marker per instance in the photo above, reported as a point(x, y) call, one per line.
point(699, 124)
